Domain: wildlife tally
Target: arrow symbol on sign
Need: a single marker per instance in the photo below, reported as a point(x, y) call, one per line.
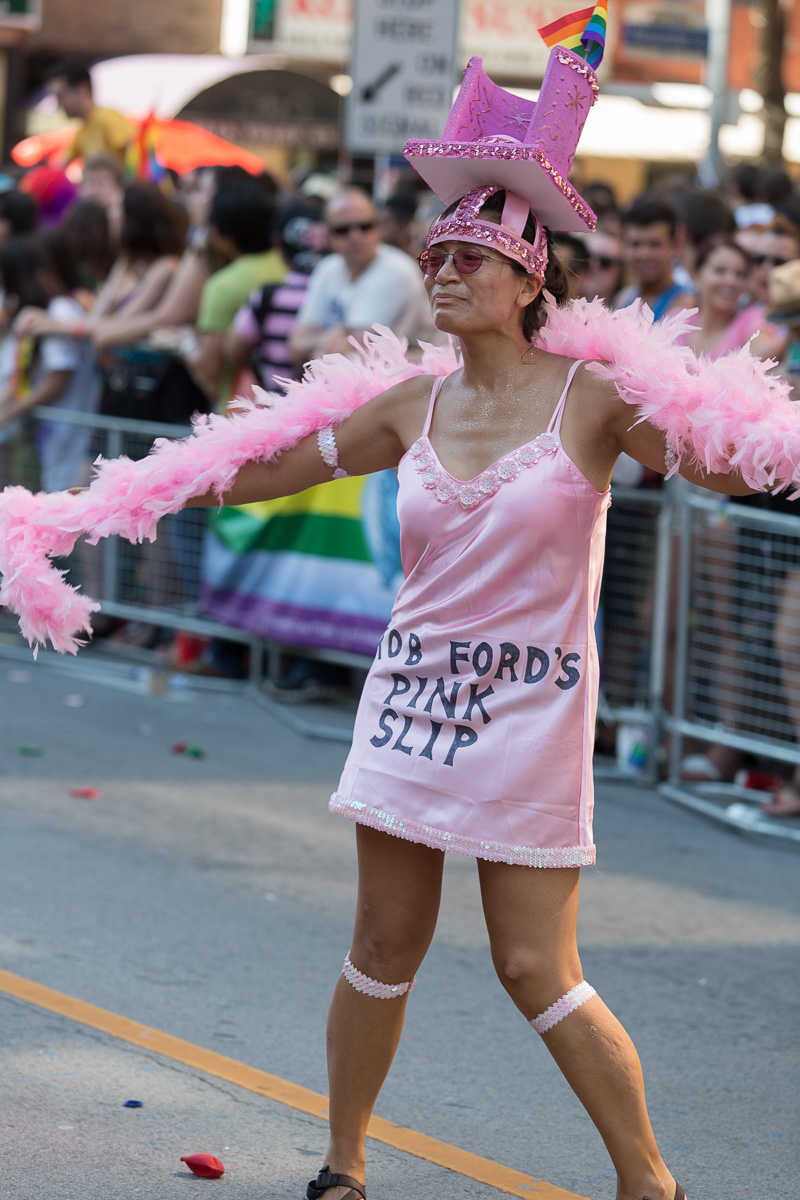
point(371, 90)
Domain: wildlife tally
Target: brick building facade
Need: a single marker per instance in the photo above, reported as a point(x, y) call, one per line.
point(95, 29)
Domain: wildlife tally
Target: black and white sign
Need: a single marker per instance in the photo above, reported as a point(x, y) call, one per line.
point(404, 70)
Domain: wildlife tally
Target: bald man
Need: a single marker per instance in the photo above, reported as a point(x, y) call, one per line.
point(363, 282)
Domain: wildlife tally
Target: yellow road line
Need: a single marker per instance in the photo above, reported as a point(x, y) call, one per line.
point(483, 1170)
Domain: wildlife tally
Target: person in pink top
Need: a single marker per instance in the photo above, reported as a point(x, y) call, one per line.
point(721, 273)
point(475, 729)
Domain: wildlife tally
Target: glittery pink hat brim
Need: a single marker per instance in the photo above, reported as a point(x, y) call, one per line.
point(451, 169)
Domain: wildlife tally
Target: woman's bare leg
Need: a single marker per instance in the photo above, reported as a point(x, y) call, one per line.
point(531, 917)
point(399, 888)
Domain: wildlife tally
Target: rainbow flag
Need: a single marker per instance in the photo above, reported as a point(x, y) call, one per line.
point(583, 32)
point(317, 569)
point(141, 159)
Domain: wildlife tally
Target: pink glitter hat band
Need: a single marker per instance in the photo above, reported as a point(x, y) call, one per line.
point(464, 225)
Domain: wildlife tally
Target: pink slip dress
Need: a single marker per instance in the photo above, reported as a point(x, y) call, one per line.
point(475, 729)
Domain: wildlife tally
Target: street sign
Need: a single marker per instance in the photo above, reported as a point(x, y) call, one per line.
point(404, 70)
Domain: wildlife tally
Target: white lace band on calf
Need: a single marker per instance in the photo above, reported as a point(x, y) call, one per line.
point(371, 987)
point(573, 999)
point(329, 452)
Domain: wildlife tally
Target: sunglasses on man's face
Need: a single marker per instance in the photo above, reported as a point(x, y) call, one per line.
point(603, 262)
point(465, 260)
point(361, 226)
point(763, 260)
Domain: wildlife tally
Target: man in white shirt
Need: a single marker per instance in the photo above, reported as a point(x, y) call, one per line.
point(360, 284)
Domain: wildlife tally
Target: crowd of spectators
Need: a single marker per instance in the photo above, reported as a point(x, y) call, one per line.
point(155, 300)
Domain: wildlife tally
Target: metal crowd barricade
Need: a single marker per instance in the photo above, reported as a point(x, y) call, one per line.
point(631, 627)
point(699, 629)
point(158, 583)
point(736, 647)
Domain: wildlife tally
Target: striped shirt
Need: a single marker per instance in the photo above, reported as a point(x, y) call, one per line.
point(266, 321)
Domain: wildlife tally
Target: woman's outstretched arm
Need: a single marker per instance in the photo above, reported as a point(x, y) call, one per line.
point(373, 438)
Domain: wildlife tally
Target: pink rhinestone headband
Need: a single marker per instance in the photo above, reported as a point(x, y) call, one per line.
point(464, 225)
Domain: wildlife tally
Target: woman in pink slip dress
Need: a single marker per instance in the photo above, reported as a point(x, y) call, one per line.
point(475, 730)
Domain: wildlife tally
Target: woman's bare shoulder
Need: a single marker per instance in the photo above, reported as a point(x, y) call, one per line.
point(403, 407)
point(600, 404)
point(408, 392)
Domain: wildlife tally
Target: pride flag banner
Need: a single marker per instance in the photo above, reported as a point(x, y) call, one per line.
point(317, 569)
point(141, 159)
point(583, 32)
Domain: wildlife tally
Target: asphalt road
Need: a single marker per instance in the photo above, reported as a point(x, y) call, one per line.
point(212, 898)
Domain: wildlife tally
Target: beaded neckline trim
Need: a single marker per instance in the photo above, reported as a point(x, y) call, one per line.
point(437, 839)
point(470, 492)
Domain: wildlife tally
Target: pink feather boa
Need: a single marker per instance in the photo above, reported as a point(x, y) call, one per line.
point(729, 415)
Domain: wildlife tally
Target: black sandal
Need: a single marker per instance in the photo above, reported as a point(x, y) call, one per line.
point(325, 1180)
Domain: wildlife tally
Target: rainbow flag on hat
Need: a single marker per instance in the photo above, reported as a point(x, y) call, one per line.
point(582, 32)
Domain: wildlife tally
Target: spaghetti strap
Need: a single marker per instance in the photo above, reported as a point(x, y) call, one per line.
point(437, 384)
point(555, 420)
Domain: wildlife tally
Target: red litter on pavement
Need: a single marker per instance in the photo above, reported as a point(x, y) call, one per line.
point(204, 1165)
point(85, 793)
point(187, 750)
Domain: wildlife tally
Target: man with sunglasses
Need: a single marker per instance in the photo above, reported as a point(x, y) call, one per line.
point(773, 247)
point(361, 283)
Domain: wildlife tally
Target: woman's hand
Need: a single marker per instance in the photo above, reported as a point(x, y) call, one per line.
point(29, 322)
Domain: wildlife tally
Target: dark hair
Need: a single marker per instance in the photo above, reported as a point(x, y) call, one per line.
point(402, 206)
point(244, 213)
point(22, 263)
point(73, 72)
point(230, 173)
point(790, 211)
point(601, 197)
point(704, 214)
point(717, 242)
point(776, 185)
point(59, 259)
point(86, 232)
point(555, 279)
point(786, 227)
point(649, 210)
point(302, 235)
point(152, 225)
point(574, 249)
point(20, 210)
point(745, 179)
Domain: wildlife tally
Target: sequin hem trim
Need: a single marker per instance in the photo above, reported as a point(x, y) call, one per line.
point(445, 488)
point(412, 831)
point(573, 999)
point(373, 987)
